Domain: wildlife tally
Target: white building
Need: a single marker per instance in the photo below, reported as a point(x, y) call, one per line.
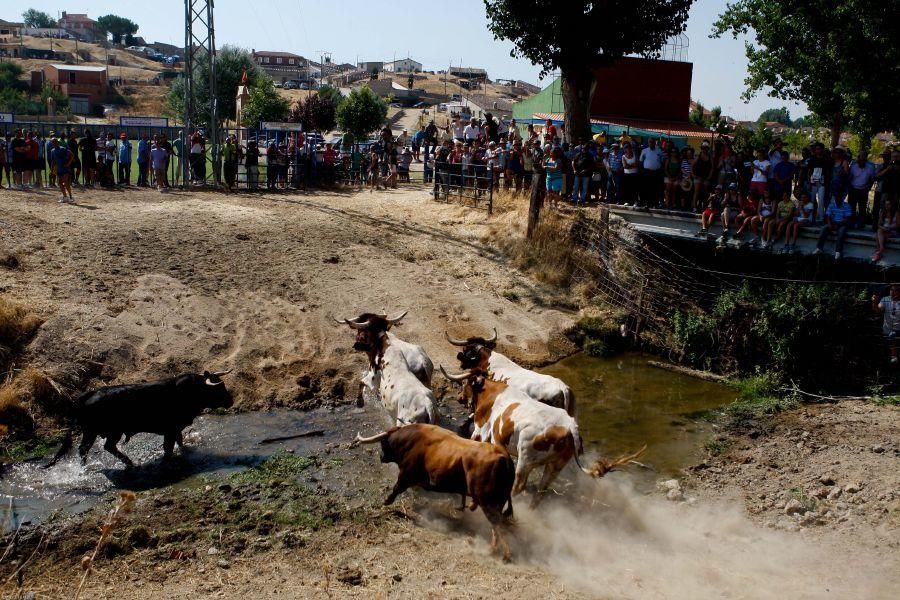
point(403, 65)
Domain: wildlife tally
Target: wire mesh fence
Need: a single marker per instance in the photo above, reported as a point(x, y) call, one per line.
point(468, 185)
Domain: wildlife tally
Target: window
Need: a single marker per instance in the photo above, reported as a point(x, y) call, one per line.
point(266, 59)
point(290, 61)
point(71, 77)
point(278, 60)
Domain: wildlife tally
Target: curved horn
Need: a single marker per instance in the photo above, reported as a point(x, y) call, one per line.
point(357, 325)
point(222, 373)
point(396, 320)
point(457, 378)
point(493, 339)
point(454, 341)
point(369, 440)
point(214, 384)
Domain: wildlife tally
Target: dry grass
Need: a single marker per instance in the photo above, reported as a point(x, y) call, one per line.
point(17, 323)
point(26, 396)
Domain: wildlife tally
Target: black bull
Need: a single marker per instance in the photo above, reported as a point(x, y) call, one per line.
point(162, 407)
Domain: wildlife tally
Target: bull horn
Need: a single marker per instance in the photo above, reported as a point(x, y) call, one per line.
point(222, 373)
point(369, 440)
point(214, 383)
point(454, 341)
point(493, 339)
point(357, 325)
point(396, 320)
point(457, 378)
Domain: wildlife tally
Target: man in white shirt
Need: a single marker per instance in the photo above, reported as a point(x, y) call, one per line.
point(458, 130)
point(760, 179)
point(472, 131)
point(889, 306)
point(651, 160)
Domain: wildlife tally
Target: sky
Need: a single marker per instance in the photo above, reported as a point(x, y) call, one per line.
point(436, 34)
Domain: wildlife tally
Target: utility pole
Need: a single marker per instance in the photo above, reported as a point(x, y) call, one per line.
point(199, 45)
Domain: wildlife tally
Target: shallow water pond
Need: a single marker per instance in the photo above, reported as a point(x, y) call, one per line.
point(623, 403)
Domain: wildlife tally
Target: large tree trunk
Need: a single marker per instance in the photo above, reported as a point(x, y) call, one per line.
point(578, 84)
point(836, 125)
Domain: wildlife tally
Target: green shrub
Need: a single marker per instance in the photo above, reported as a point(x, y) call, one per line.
point(602, 336)
point(694, 335)
point(758, 396)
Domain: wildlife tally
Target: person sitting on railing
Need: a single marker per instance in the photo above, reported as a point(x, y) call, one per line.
point(762, 223)
point(731, 209)
point(785, 211)
point(712, 211)
point(838, 217)
point(887, 228)
point(403, 162)
point(889, 307)
point(749, 209)
point(804, 216)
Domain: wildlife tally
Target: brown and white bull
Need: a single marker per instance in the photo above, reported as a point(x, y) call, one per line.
point(480, 353)
point(535, 433)
point(438, 460)
point(404, 388)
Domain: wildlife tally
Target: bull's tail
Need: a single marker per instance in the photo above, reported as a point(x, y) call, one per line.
point(569, 401)
point(63, 449)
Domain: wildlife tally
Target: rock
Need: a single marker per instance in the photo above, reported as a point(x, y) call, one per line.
point(835, 493)
point(223, 564)
point(877, 448)
point(224, 488)
point(139, 537)
point(826, 480)
point(213, 551)
point(675, 495)
point(671, 484)
point(349, 572)
point(852, 488)
point(794, 507)
point(821, 493)
point(397, 577)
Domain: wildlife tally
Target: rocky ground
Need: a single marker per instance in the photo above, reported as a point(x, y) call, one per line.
point(136, 285)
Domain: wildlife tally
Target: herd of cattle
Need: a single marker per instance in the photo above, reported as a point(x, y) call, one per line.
point(519, 420)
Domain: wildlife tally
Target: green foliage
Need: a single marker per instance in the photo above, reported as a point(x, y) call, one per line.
point(847, 78)
point(38, 19)
point(715, 446)
point(332, 93)
point(10, 77)
point(779, 115)
point(361, 113)
point(279, 466)
point(231, 62)
point(874, 146)
point(14, 96)
point(751, 140)
point(795, 142)
point(602, 337)
point(758, 396)
point(696, 115)
point(813, 334)
point(117, 27)
point(264, 104)
point(61, 100)
point(316, 113)
point(694, 334)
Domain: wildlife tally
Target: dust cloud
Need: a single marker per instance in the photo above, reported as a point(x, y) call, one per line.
point(606, 539)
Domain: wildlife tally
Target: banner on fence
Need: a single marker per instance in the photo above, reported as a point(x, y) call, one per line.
point(6, 117)
point(278, 126)
point(144, 121)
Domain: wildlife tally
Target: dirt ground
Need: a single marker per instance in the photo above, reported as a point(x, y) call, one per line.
point(137, 285)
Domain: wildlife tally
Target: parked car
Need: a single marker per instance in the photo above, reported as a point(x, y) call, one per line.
point(291, 84)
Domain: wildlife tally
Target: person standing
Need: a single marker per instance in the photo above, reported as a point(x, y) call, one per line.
point(782, 176)
point(837, 221)
point(124, 160)
point(889, 307)
point(251, 164)
point(178, 152)
point(48, 148)
point(862, 176)
point(88, 147)
point(760, 178)
point(158, 156)
point(651, 160)
point(630, 170)
point(584, 171)
point(818, 171)
point(840, 175)
point(20, 159)
point(229, 158)
point(4, 161)
point(613, 166)
point(417, 141)
point(61, 159)
point(143, 160)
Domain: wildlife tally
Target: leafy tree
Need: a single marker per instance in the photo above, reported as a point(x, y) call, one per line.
point(38, 19)
point(264, 104)
point(795, 142)
point(779, 115)
point(332, 93)
point(578, 37)
point(315, 114)
point(10, 77)
point(231, 62)
point(751, 140)
point(117, 27)
point(361, 113)
point(696, 115)
point(838, 57)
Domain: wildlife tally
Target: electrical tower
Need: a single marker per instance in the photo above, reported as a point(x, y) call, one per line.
point(200, 48)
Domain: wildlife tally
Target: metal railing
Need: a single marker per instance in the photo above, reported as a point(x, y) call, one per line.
point(471, 185)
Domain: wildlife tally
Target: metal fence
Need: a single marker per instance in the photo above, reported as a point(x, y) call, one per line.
point(469, 185)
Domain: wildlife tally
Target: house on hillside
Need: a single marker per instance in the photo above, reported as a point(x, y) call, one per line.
point(403, 65)
point(10, 29)
point(82, 27)
point(282, 66)
point(86, 87)
point(370, 65)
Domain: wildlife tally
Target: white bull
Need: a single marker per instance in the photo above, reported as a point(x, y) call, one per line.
point(480, 353)
point(403, 393)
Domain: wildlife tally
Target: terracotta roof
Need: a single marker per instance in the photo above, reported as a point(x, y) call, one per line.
point(269, 53)
point(676, 128)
